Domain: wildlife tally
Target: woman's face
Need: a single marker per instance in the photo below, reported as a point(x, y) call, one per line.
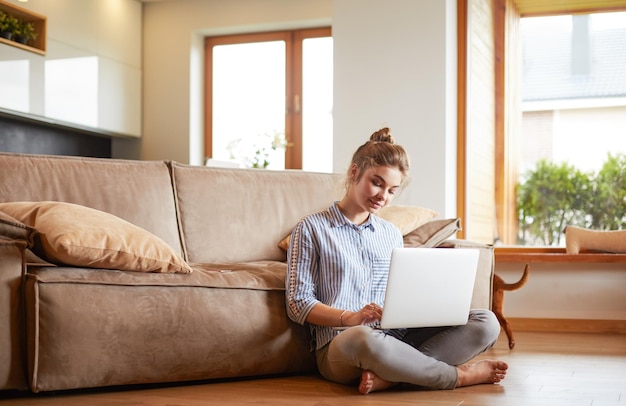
point(376, 188)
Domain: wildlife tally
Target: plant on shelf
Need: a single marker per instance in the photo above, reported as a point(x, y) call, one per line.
point(4, 32)
point(8, 25)
point(24, 32)
point(28, 32)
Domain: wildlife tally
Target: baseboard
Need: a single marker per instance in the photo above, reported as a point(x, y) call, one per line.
point(568, 325)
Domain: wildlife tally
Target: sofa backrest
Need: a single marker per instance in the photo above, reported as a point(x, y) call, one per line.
point(242, 214)
point(137, 191)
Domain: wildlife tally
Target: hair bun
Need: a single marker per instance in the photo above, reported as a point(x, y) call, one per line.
point(382, 135)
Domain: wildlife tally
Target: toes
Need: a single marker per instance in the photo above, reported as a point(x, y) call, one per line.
point(367, 382)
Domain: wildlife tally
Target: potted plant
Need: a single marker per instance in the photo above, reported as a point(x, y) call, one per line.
point(7, 25)
point(3, 25)
point(18, 32)
point(28, 32)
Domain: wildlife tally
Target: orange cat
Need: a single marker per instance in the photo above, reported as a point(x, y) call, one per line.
point(499, 286)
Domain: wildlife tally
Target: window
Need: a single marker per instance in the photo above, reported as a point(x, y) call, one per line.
point(554, 126)
point(573, 120)
point(269, 99)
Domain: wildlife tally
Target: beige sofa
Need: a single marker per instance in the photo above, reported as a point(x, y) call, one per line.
point(77, 326)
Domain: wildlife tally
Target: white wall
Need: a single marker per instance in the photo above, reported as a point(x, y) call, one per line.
point(173, 58)
point(395, 65)
point(109, 32)
point(566, 291)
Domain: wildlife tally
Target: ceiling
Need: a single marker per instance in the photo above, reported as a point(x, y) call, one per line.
point(543, 7)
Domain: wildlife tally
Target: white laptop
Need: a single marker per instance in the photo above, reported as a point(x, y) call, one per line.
point(429, 287)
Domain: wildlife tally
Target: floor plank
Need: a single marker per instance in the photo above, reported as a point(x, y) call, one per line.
point(550, 369)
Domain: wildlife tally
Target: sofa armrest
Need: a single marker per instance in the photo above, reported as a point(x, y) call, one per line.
point(12, 348)
point(483, 286)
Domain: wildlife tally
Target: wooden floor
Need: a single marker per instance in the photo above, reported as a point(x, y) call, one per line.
point(549, 369)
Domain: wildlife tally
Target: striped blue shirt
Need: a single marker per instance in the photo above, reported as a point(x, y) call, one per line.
point(338, 263)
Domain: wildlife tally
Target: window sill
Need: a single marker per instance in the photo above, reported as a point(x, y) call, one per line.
point(545, 254)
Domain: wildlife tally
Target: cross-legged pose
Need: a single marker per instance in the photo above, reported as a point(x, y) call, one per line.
point(338, 262)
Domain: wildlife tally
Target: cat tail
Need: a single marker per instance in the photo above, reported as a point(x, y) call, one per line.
point(521, 282)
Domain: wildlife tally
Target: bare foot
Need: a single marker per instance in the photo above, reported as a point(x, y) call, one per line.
point(486, 371)
point(370, 382)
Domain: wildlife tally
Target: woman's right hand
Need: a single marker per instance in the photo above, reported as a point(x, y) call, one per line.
point(368, 314)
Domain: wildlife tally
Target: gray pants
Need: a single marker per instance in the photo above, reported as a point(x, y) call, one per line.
point(425, 356)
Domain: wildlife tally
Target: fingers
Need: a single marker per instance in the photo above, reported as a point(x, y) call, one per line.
point(371, 312)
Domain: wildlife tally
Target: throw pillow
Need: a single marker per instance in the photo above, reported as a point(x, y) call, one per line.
point(432, 233)
point(70, 234)
point(578, 238)
point(284, 243)
point(406, 218)
point(15, 230)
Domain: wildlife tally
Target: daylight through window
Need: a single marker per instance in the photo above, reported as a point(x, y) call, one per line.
point(572, 161)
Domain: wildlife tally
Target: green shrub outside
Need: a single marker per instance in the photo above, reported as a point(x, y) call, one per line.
point(552, 196)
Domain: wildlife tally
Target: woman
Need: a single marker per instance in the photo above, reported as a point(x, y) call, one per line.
point(337, 273)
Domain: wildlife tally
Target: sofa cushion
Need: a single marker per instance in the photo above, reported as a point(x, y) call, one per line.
point(94, 328)
point(229, 215)
point(76, 235)
point(254, 275)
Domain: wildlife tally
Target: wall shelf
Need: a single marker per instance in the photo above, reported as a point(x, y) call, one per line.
point(543, 255)
point(37, 46)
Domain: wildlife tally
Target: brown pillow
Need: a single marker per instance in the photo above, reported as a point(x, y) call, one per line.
point(284, 243)
point(407, 218)
point(70, 234)
point(15, 230)
point(432, 233)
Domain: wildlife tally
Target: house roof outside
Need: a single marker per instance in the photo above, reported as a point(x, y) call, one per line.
point(547, 64)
